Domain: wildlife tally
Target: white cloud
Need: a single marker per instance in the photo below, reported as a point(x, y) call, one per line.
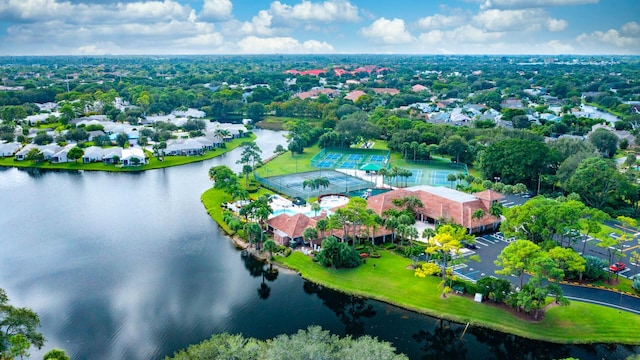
point(631, 29)
point(518, 20)
point(326, 12)
point(439, 21)
point(282, 45)
point(558, 47)
point(49, 10)
point(259, 25)
point(466, 34)
point(526, 4)
point(611, 37)
point(122, 28)
point(216, 10)
point(555, 25)
point(389, 32)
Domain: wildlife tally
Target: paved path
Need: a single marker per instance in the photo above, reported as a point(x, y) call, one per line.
point(602, 297)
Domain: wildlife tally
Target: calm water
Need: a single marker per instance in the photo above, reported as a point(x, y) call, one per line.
point(130, 266)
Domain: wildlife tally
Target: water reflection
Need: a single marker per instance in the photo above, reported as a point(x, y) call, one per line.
point(442, 342)
point(350, 310)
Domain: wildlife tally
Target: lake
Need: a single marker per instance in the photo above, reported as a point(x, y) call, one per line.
point(130, 266)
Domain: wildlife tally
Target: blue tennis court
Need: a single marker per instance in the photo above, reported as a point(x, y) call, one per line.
point(348, 165)
point(355, 157)
point(325, 164)
point(439, 177)
point(416, 177)
point(332, 156)
point(378, 158)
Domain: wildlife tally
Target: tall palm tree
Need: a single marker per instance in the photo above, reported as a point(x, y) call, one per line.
point(322, 225)
point(495, 210)
point(451, 178)
point(476, 215)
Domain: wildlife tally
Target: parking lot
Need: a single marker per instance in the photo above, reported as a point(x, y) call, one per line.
point(488, 247)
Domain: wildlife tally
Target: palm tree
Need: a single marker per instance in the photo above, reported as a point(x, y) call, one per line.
point(322, 225)
point(310, 233)
point(383, 172)
point(477, 215)
point(495, 210)
point(451, 178)
point(253, 231)
point(411, 233)
point(309, 183)
point(315, 207)
point(270, 246)
point(428, 233)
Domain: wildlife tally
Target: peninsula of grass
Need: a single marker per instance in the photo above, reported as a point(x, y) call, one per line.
point(153, 163)
point(388, 279)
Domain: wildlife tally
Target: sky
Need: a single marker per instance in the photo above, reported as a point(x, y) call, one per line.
point(191, 27)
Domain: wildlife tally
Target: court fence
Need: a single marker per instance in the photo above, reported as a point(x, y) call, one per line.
point(350, 158)
point(293, 184)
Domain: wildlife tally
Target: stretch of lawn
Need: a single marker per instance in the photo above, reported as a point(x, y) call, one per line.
point(390, 281)
point(286, 164)
point(153, 163)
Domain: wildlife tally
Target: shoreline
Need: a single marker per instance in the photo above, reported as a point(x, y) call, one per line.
point(154, 163)
point(553, 320)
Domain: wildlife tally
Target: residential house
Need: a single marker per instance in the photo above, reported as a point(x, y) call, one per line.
point(93, 154)
point(355, 95)
point(184, 147)
point(512, 104)
point(388, 91)
point(22, 153)
point(61, 155)
point(133, 156)
point(9, 149)
point(112, 155)
point(419, 88)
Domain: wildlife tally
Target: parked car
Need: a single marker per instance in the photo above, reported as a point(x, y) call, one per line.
point(299, 201)
point(469, 245)
point(619, 266)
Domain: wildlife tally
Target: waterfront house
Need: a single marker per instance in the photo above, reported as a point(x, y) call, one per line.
point(9, 149)
point(133, 156)
point(92, 154)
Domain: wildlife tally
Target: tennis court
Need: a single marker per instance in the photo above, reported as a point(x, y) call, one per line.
point(348, 165)
point(292, 184)
point(427, 172)
point(349, 158)
point(325, 164)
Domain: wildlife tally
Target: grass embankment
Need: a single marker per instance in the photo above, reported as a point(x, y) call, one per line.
point(287, 164)
point(212, 199)
point(154, 163)
point(390, 281)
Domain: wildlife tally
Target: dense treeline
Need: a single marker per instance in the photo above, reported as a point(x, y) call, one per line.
point(510, 150)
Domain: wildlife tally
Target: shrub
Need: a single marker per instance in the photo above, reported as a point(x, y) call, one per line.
point(389, 246)
point(636, 283)
point(594, 267)
point(287, 252)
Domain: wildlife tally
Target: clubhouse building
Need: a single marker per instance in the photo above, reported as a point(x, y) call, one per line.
point(440, 204)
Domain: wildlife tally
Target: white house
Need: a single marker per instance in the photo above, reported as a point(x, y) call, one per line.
point(92, 154)
point(184, 147)
point(22, 154)
point(112, 155)
point(130, 154)
point(61, 155)
point(9, 149)
point(49, 150)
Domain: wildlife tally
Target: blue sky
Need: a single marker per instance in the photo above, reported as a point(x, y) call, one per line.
point(98, 27)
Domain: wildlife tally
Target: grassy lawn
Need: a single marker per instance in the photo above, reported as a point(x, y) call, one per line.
point(153, 162)
point(213, 198)
point(286, 164)
point(390, 281)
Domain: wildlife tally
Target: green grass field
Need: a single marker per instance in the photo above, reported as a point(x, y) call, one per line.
point(390, 281)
